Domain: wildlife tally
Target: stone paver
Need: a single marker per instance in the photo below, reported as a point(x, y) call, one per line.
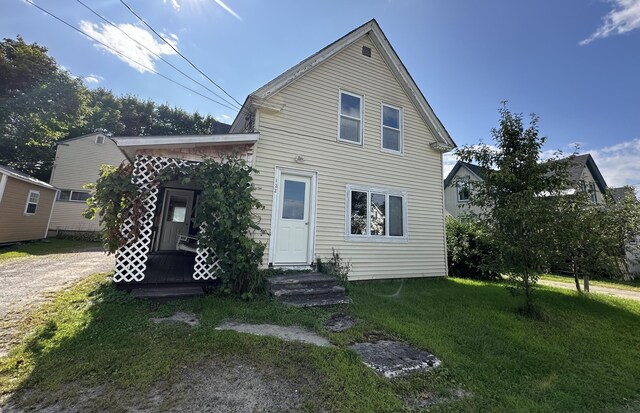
point(394, 358)
point(30, 281)
point(339, 322)
point(287, 333)
point(614, 292)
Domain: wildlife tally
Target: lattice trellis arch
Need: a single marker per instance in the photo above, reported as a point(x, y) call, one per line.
point(131, 259)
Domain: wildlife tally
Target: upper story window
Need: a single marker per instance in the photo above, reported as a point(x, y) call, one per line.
point(592, 192)
point(375, 214)
point(32, 202)
point(391, 129)
point(99, 139)
point(463, 187)
point(350, 129)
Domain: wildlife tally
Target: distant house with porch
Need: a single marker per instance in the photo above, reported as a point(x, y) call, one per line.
point(25, 206)
point(349, 155)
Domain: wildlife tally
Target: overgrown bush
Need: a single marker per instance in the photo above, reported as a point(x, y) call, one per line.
point(470, 251)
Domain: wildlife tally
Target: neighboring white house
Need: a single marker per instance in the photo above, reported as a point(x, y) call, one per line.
point(77, 163)
point(349, 155)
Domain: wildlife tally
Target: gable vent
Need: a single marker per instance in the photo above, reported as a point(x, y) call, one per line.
point(366, 51)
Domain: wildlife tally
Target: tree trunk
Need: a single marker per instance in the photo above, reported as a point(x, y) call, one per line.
point(586, 283)
point(575, 275)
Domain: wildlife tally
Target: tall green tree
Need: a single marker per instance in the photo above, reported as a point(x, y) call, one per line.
point(518, 199)
point(39, 104)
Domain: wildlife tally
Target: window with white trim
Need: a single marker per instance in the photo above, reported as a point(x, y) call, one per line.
point(70, 195)
point(592, 192)
point(376, 214)
point(32, 203)
point(463, 186)
point(391, 128)
point(350, 127)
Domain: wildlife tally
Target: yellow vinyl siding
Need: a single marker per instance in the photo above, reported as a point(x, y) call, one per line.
point(78, 163)
point(308, 126)
point(15, 225)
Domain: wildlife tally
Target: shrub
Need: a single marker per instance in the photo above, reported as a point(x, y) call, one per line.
point(470, 251)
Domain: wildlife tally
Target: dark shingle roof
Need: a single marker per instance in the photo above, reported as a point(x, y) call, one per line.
point(475, 169)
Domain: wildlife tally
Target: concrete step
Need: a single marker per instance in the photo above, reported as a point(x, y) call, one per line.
point(316, 300)
point(303, 278)
point(307, 289)
point(166, 292)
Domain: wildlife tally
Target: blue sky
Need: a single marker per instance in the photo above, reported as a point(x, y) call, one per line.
point(575, 63)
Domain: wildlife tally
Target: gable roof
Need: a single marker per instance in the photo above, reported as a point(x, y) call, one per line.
point(75, 138)
point(577, 166)
point(14, 173)
point(443, 139)
point(478, 171)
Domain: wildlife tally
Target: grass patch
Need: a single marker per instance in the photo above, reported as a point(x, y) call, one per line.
point(582, 358)
point(629, 285)
point(43, 247)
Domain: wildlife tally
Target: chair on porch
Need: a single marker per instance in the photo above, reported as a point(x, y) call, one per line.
point(187, 243)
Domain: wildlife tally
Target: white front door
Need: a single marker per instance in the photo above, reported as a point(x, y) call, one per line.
point(176, 217)
point(292, 220)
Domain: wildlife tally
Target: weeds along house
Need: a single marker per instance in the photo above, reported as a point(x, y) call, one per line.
point(349, 155)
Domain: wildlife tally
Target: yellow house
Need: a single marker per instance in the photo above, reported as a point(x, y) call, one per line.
point(349, 154)
point(25, 206)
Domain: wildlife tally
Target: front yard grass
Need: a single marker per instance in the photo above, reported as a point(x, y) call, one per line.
point(630, 285)
point(582, 358)
point(43, 247)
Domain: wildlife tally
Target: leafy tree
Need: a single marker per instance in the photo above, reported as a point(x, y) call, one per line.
point(39, 104)
point(518, 198)
point(470, 250)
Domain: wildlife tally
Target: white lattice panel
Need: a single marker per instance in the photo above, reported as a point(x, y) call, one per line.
point(131, 259)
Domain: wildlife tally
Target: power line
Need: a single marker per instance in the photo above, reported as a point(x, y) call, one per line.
point(178, 52)
point(125, 56)
point(152, 52)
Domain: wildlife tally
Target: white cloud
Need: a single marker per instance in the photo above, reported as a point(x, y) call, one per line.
point(93, 79)
point(619, 163)
point(174, 3)
point(449, 160)
point(142, 58)
point(225, 117)
point(624, 18)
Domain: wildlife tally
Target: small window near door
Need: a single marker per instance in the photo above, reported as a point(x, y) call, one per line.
point(177, 211)
point(293, 200)
point(32, 203)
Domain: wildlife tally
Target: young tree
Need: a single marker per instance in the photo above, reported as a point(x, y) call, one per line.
point(518, 199)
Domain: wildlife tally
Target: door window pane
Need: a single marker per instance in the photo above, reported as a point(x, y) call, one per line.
point(358, 213)
point(396, 225)
point(293, 200)
point(377, 214)
point(177, 210)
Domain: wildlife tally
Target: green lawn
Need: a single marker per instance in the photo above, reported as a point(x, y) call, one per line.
point(631, 285)
point(43, 247)
point(583, 358)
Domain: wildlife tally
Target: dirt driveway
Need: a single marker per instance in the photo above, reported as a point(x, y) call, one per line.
point(25, 283)
point(614, 292)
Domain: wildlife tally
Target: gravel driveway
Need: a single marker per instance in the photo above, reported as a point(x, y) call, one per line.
point(614, 292)
point(25, 283)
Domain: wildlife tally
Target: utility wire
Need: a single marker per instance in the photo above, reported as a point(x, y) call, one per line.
point(152, 52)
point(127, 57)
point(176, 50)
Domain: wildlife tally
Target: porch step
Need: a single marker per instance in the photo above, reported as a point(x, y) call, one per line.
point(307, 290)
point(167, 292)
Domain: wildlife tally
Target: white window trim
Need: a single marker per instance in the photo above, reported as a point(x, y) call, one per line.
point(401, 130)
point(361, 97)
point(71, 191)
point(26, 206)
point(376, 238)
point(466, 180)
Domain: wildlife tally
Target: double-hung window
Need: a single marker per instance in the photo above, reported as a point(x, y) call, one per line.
point(376, 214)
point(350, 128)
point(463, 186)
point(592, 192)
point(32, 203)
point(391, 129)
point(69, 195)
